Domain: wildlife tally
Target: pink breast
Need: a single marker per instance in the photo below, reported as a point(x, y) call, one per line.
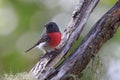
point(55, 39)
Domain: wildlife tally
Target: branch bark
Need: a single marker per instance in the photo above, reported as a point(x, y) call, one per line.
point(80, 15)
point(102, 31)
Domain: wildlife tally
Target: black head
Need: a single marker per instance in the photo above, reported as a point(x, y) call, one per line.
point(51, 27)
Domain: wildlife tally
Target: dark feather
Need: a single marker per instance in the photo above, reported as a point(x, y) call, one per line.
point(44, 38)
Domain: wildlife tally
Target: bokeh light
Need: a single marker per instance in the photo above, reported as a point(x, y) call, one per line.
point(67, 5)
point(50, 3)
point(62, 19)
point(26, 40)
point(113, 70)
point(8, 20)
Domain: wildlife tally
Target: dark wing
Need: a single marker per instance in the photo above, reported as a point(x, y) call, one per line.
point(44, 38)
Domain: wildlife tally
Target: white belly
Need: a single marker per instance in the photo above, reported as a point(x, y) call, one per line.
point(44, 47)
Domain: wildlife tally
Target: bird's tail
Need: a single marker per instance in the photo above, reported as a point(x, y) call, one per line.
point(30, 48)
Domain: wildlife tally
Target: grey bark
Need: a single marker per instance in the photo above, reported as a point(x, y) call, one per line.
point(102, 31)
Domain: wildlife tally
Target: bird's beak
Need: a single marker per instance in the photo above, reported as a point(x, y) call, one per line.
point(45, 25)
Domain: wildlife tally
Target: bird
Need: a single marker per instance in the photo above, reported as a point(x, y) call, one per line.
point(50, 39)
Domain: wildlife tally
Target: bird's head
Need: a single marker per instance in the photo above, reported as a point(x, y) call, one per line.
point(51, 27)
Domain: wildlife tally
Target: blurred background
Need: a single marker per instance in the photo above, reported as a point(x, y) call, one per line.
point(21, 23)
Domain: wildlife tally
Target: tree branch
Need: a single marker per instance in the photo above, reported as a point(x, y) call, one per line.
point(102, 31)
point(80, 15)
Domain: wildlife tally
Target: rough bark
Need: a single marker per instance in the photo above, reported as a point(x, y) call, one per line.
point(102, 31)
point(45, 66)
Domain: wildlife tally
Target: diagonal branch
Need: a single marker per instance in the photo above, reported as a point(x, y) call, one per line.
point(71, 33)
point(102, 31)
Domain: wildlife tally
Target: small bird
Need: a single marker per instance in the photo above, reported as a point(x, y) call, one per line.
point(50, 39)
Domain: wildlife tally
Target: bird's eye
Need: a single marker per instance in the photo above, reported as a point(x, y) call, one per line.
point(51, 26)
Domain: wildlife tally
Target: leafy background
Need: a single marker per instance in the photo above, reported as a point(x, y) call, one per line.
point(21, 23)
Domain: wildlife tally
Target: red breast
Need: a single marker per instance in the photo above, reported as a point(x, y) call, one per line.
point(55, 38)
